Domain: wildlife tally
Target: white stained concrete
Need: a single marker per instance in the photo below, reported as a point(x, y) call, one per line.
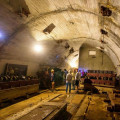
point(97, 63)
point(78, 20)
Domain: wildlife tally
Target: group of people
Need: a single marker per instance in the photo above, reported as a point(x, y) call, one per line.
point(72, 78)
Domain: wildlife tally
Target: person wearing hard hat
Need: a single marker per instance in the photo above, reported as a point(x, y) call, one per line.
point(53, 79)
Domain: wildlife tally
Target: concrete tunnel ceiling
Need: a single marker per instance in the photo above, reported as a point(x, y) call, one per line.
point(76, 22)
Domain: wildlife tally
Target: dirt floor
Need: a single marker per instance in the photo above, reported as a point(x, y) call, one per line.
point(80, 105)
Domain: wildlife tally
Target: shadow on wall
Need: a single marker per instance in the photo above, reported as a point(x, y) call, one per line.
point(20, 7)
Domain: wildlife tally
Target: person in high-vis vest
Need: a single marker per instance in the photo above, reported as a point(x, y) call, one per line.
point(53, 80)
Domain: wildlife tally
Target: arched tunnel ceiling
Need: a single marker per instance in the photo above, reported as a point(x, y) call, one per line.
point(76, 21)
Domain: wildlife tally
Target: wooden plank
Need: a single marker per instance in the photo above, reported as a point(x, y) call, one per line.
point(17, 110)
point(115, 101)
point(12, 93)
point(46, 111)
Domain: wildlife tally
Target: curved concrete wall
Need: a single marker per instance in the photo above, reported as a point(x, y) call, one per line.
point(98, 63)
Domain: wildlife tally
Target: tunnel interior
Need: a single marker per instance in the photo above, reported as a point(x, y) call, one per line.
point(40, 38)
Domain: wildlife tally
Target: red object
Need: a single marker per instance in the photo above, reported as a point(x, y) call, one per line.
point(109, 76)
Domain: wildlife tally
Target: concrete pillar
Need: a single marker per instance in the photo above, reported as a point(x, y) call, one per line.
point(118, 70)
point(79, 59)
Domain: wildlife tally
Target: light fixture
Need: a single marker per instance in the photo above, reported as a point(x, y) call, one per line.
point(71, 50)
point(105, 11)
point(103, 32)
point(73, 64)
point(49, 28)
point(0, 35)
point(92, 52)
point(75, 55)
point(38, 48)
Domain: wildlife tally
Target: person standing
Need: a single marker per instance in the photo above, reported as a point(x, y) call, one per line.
point(83, 73)
point(73, 79)
point(77, 78)
point(64, 75)
point(53, 79)
point(68, 81)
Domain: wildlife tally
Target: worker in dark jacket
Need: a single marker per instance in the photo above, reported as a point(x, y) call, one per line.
point(77, 78)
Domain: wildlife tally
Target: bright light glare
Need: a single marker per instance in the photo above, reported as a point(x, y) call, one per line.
point(38, 48)
point(39, 36)
point(0, 35)
point(73, 64)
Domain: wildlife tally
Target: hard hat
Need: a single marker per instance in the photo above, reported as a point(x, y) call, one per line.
point(52, 70)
